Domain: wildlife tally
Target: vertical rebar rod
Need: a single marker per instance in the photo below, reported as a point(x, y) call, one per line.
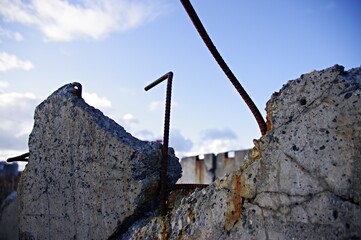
point(217, 56)
point(164, 164)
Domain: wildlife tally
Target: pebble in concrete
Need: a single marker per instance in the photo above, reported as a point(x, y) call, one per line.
point(86, 175)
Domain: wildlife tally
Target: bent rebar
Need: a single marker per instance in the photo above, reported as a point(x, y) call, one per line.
point(164, 169)
point(217, 56)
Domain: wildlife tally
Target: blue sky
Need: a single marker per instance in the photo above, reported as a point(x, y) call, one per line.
point(115, 48)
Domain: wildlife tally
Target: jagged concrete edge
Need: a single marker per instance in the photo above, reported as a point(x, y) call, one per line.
point(255, 153)
point(113, 128)
point(109, 125)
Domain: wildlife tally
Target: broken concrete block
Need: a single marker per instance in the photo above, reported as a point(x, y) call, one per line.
point(86, 174)
point(316, 130)
point(300, 181)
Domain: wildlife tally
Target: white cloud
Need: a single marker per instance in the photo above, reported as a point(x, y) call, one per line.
point(129, 121)
point(16, 120)
point(16, 100)
point(8, 62)
point(159, 105)
point(180, 143)
point(210, 146)
point(216, 141)
point(4, 33)
point(219, 145)
point(211, 141)
point(156, 105)
point(215, 133)
point(3, 85)
point(60, 20)
point(94, 100)
point(146, 135)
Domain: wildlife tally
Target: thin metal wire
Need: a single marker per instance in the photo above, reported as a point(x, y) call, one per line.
point(217, 56)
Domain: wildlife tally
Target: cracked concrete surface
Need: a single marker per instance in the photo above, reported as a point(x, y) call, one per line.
point(300, 181)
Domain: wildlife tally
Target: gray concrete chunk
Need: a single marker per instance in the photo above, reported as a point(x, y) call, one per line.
point(85, 174)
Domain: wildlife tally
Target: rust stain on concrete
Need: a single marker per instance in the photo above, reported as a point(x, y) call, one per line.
point(235, 204)
point(269, 123)
point(199, 170)
point(229, 161)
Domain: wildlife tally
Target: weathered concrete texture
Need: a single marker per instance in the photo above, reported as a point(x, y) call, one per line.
point(300, 181)
point(86, 174)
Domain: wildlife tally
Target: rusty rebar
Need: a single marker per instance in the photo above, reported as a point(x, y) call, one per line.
point(78, 89)
point(164, 168)
point(217, 56)
point(21, 158)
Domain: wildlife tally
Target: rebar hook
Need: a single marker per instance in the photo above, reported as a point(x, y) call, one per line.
point(164, 169)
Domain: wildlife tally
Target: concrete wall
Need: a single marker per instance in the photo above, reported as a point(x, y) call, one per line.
point(204, 169)
point(228, 162)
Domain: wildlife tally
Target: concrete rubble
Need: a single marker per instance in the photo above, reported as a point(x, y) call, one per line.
point(300, 181)
point(87, 178)
point(86, 175)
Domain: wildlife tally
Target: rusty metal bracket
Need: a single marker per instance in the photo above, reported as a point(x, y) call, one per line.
point(164, 169)
point(217, 56)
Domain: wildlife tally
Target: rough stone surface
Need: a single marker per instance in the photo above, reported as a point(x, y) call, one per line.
point(8, 218)
point(86, 175)
point(300, 181)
